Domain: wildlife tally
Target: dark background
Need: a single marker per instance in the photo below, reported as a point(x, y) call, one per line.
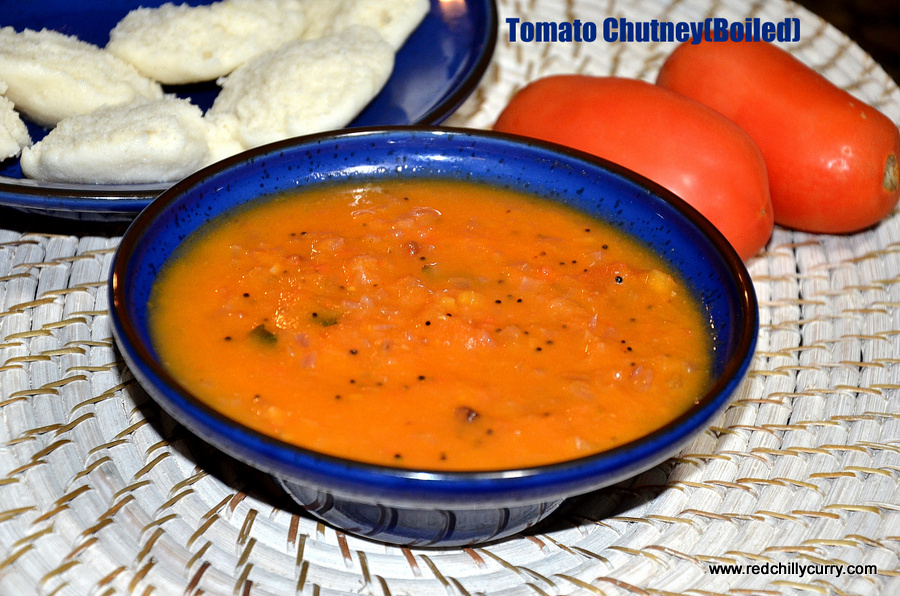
point(873, 24)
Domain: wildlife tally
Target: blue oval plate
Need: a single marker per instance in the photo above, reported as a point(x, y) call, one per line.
point(435, 71)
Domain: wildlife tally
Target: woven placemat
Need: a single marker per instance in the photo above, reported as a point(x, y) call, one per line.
point(101, 493)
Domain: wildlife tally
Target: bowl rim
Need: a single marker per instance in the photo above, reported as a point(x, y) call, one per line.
point(447, 486)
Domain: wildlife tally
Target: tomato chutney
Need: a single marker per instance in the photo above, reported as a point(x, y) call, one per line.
point(436, 325)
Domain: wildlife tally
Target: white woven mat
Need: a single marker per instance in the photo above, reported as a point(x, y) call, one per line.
point(102, 494)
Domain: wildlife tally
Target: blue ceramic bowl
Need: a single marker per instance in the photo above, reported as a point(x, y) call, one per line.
point(423, 507)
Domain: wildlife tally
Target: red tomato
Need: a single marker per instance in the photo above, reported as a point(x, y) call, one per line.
point(832, 159)
point(678, 143)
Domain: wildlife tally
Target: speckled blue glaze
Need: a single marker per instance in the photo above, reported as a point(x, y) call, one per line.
point(437, 68)
point(421, 507)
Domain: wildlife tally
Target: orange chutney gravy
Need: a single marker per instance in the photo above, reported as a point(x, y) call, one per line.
point(433, 325)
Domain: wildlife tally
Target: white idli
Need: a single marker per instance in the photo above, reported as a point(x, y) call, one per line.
point(305, 86)
point(13, 133)
point(394, 19)
point(222, 136)
point(178, 43)
point(148, 141)
point(52, 76)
